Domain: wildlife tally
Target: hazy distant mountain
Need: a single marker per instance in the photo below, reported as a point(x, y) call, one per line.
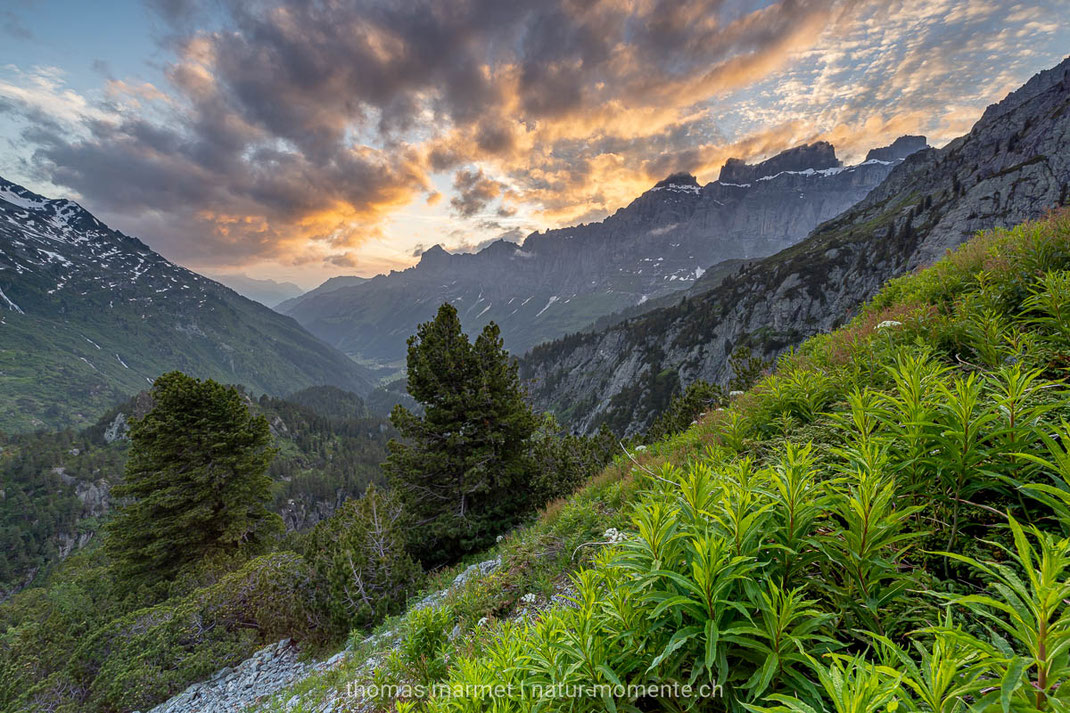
point(330, 285)
point(267, 292)
point(560, 281)
point(1014, 165)
point(89, 316)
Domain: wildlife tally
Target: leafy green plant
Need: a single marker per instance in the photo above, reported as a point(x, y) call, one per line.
point(1048, 304)
point(946, 677)
point(797, 499)
point(851, 685)
point(1028, 615)
point(786, 635)
point(870, 538)
point(965, 420)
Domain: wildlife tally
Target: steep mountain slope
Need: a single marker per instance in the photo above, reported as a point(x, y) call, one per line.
point(563, 280)
point(1013, 165)
point(88, 316)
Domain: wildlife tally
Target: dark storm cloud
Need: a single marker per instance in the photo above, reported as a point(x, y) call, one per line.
point(311, 120)
point(474, 192)
point(300, 118)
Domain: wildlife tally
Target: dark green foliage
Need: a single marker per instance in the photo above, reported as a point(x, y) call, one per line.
point(329, 402)
point(327, 449)
point(561, 462)
point(77, 647)
point(746, 368)
point(461, 467)
point(321, 460)
point(195, 481)
point(696, 399)
point(36, 477)
point(359, 557)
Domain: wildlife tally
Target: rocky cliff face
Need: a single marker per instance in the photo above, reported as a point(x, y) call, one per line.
point(817, 156)
point(1013, 166)
point(900, 149)
point(562, 280)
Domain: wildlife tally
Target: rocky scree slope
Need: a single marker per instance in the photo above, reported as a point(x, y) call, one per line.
point(563, 280)
point(89, 316)
point(278, 667)
point(1014, 165)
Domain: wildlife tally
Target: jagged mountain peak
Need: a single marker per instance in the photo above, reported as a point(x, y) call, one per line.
point(818, 156)
point(434, 257)
point(899, 149)
point(1038, 84)
point(681, 179)
point(1014, 165)
point(563, 279)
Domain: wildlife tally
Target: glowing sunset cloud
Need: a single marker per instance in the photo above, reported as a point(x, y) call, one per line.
point(303, 139)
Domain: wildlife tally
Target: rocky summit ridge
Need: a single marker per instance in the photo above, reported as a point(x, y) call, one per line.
point(562, 280)
point(1013, 166)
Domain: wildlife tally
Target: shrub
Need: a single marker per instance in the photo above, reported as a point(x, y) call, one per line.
point(360, 561)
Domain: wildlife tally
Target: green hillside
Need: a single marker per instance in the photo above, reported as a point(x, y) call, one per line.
point(90, 316)
point(879, 525)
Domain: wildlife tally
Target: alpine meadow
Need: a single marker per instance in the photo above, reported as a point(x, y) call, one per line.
point(483, 357)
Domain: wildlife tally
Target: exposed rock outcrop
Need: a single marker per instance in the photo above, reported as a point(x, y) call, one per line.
point(560, 281)
point(817, 156)
point(898, 150)
point(1013, 166)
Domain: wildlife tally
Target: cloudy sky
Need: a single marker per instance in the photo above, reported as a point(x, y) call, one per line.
point(298, 139)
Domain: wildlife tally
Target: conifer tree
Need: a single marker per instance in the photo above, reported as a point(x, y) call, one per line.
point(195, 482)
point(359, 554)
point(462, 466)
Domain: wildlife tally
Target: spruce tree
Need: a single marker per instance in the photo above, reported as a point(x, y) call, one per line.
point(195, 482)
point(462, 466)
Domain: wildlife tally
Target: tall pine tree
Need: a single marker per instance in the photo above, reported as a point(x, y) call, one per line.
point(195, 482)
point(462, 467)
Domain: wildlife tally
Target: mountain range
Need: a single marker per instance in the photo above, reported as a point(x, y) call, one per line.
point(330, 285)
point(558, 281)
point(269, 293)
point(1014, 165)
point(90, 316)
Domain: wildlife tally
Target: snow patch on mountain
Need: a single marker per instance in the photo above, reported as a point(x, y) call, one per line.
point(10, 305)
point(552, 300)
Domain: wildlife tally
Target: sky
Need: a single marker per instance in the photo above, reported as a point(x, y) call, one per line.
point(301, 139)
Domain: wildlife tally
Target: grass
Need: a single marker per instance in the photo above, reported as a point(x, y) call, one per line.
point(880, 524)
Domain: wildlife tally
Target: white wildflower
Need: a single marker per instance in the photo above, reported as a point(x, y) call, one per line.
point(640, 448)
point(482, 622)
point(499, 538)
point(889, 323)
point(734, 394)
point(613, 536)
point(528, 598)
